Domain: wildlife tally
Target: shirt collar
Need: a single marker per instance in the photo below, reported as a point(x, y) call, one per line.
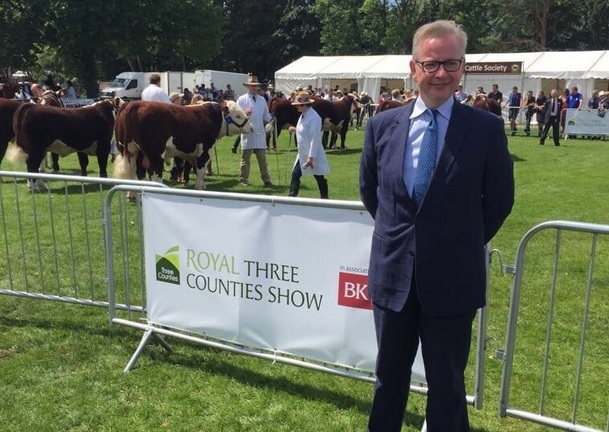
point(445, 109)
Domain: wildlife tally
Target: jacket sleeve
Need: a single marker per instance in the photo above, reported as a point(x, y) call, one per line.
point(368, 174)
point(498, 195)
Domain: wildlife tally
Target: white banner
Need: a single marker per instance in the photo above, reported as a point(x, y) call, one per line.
point(584, 122)
point(287, 278)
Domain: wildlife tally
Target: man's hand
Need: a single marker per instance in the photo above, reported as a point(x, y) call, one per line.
point(308, 163)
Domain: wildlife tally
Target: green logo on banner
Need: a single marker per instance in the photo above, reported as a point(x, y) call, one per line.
point(168, 266)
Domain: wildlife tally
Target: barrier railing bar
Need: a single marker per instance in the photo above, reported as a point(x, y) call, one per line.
point(71, 300)
point(6, 249)
point(504, 408)
point(20, 221)
point(37, 236)
point(548, 421)
point(71, 239)
point(54, 237)
point(582, 343)
point(546, 361)
point(87, 239)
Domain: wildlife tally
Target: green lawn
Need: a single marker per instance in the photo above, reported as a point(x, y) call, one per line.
point(61, 365)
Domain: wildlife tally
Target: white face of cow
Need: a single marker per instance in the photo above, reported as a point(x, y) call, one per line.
point(237, 121)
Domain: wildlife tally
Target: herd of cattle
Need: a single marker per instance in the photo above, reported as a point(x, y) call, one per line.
point(148, 134)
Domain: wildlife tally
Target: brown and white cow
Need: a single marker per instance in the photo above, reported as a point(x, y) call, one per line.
point(336, 115)
point(149, 133)
point(7, 110)
point(40, 128)
point(391, 103)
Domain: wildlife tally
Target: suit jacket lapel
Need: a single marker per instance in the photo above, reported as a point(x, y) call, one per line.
point(398, 139)
point(455, 137)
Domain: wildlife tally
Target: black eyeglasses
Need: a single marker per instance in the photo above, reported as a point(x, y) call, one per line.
point(451, 65)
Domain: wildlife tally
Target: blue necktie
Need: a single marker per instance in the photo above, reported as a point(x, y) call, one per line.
point(427, 158)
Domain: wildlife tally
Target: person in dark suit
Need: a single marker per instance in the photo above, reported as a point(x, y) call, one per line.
point(427, 271)
point(553, 108)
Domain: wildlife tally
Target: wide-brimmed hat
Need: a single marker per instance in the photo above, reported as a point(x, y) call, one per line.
point(362, 94)
point(251, 80)
point(175, 95)
point(303, 98)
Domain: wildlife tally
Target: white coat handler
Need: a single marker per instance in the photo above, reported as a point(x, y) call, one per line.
point(311, 157)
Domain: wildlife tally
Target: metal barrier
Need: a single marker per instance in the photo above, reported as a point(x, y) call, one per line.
point(564, 359)
point(53, 242)
point(138, 318)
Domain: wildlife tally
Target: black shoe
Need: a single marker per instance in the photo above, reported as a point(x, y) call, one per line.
point(234, 150)
point(540, 142)
point(268, 184)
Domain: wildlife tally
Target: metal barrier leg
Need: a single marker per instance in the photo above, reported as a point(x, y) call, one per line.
point(162, 341)
point(139, 349)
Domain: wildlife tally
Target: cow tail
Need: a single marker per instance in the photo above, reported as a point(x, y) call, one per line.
point(124, 159)
point(15, 153)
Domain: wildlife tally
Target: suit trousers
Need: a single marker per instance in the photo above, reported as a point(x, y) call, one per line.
point(246, 155)
point(554, 122)
point(445, 344)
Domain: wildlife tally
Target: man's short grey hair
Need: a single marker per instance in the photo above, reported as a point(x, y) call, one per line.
point(436, 29)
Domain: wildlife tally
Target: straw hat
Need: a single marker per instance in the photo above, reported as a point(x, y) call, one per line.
point(175, 95)
point(252, 80)
point(363, 94)
point(303, 98)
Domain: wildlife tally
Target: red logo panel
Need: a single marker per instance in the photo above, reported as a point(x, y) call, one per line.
point(353, 290)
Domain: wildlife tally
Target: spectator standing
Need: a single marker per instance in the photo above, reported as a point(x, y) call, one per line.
point(311, 158)
point(71, 91)
point(528, 105)
point(154, 92)
point(256, 108)
point(574, 100)
point(229, 93)
point(496, 94)
point(540, 109)
point(553, 109)
point(426, 276)
point(513, 102)
point(593, 104)
point(460, 94)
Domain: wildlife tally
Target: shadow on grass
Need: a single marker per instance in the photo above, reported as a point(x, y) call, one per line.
point(516, 158)
point(210, 360)
point(345, 151)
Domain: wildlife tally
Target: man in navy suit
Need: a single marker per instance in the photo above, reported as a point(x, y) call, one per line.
point(427, 274)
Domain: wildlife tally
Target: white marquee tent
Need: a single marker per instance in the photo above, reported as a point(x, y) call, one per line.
point(541, 71)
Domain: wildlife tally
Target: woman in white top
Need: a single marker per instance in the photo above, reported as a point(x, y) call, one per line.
point(311, 159)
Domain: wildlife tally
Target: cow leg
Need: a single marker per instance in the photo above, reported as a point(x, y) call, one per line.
point(333, 140)
point(35, 163)
point(138, 169)
point(343, 137)
point(156, 169)
point(324, 139)
point(202, 162)
point(83, 160)
point(186, 173)
point(55, 162)
point(102, 162)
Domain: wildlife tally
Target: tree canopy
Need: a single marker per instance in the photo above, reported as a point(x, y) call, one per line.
point(95, 40)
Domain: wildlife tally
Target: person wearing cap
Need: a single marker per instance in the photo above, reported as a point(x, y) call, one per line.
point(176, 98)
point(367, 108)
point(154, 92)
point(256, 108)
point(311, 158)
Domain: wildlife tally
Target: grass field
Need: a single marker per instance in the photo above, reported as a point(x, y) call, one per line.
point(61, 365)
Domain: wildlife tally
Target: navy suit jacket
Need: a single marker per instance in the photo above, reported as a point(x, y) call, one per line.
point(469, 196)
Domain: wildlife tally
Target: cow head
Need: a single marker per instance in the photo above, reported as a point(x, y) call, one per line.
point(236, 120)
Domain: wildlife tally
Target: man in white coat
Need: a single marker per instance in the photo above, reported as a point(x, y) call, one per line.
point(154, 92)
point(311, 158)
point(255, 142)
